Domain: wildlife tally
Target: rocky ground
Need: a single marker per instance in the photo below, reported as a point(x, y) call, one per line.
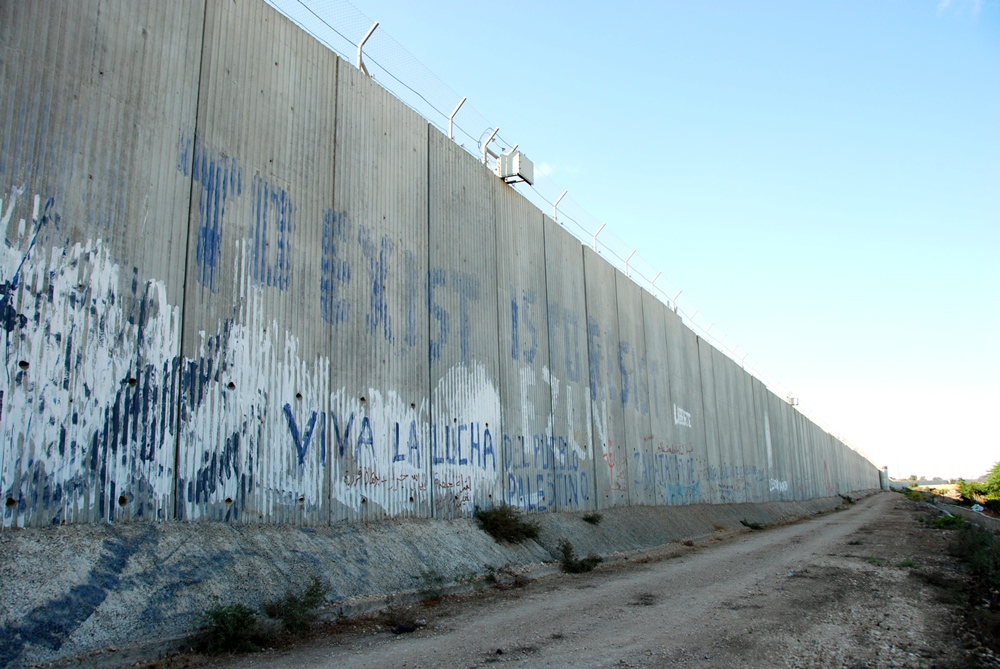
point(872, 585)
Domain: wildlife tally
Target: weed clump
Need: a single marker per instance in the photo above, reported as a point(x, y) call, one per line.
point(505, 578)
point(948, 522)
point(230, 628)
point(980, 551)
point(295, 610)
point(573, 565)
point(751, 525)
point(431, 588)
point(593, 518)
point(505, 523)
point(848, 499)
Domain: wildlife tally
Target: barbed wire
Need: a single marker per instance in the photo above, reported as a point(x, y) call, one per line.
point(340, 26)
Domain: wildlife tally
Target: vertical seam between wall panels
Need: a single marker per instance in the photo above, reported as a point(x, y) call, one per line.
point(178, 497)
point(704, 419)
point(501, 377)
point(590, 372)
point(548, 349)
point(327, 426)
point(430, 361)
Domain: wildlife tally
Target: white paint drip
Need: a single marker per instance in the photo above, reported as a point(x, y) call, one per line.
point(69, 358)
point(466, 394)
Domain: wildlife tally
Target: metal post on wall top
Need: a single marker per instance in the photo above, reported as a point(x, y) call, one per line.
point(361, 45)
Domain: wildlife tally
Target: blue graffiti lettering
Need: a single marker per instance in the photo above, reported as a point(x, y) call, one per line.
point(271, 206)
point(378, 258)
point(466, 285)
point(437, 277)
point(342, 440)
point(302, 444)
point(334, 269)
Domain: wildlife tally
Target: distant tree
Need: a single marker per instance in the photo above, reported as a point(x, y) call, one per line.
point(992, 484)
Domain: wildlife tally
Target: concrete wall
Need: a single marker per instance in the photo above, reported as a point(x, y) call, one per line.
point(241, 282)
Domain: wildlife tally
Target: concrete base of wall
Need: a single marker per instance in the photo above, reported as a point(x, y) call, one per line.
point(74, 590)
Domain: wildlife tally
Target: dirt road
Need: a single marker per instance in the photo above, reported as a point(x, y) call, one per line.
point(837, 590)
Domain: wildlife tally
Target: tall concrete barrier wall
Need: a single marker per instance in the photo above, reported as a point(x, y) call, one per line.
point(241, 282)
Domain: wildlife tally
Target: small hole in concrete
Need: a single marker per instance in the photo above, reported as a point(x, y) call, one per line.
point(231, 385)
point(364, 500)
point(229, 500)
point(412, 405)
point(456, 420)
point(298, 396)
point(132, 382)
point(487, 425)
point(411, 500)
point(362, 399)
point(23, 364)
point(456, 497)
point(302, 500)
point(122, 500)
point(11, 502)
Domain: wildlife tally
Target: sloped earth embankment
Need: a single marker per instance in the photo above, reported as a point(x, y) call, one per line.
point(870, 586)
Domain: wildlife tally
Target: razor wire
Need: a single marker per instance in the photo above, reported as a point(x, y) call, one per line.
point(340, 26)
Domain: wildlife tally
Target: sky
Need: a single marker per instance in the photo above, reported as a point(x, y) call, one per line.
point(822, 180)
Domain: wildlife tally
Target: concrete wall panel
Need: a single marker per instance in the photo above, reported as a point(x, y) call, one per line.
point(717, 455)
point(373, 298)
point(732, 482)
point(533, 457)
point(664, 471)
point(633, 372)
point(754, 453)
point(607, 411)
point(256, 372)
point(94, 214)
point(569, 369)
point(466, 432)
point(688, 448)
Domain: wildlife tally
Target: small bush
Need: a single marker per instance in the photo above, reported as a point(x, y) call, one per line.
point(980, 551)
point(505, 523)
point(505, 578)
point(571, 564)
point(231, 628)
point(295, 610)
point(948, 522)
point(593, 518)
point(431, 586)
point(752, 526)
point(848, 499)
point(907, 564)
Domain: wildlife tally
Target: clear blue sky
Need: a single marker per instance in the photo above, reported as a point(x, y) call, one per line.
point(821, 179)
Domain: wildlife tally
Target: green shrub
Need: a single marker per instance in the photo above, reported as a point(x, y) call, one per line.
point(948, 522)
point(505, 523)
point(593, 518)
point(231, 628)
point(971, 491)
point(295, 610)
point(431, 586)
point(751, 525)
point(571, 564)
point(979, 550)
